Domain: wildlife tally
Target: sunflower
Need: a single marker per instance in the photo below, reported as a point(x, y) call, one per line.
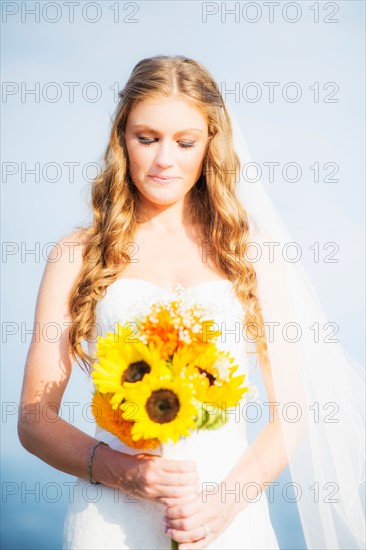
point(165, 408)
point(227, 393)
point(216, 369)
point(120, 361)
point(112, 421)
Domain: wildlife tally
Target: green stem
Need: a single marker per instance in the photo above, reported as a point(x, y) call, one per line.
point(174, 545)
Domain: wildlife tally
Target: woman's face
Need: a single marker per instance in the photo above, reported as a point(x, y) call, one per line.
point(165, 137)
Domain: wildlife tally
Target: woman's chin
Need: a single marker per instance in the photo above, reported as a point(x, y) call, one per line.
point(162, 198)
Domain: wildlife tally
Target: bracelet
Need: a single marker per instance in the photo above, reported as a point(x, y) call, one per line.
point(92, 451)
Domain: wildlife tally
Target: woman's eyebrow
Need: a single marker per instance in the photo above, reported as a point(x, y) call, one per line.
point(144, 127)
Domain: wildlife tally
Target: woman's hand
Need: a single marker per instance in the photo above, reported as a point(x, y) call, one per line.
point(169, 482)
point(196, 523)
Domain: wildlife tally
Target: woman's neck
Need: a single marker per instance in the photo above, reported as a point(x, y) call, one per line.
point(163, 218)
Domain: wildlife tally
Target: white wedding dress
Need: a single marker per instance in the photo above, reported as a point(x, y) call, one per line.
point(103, 518)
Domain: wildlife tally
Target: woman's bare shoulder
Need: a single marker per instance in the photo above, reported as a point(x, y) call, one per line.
point(68, 249)
point(63, 265)
point(76, 237)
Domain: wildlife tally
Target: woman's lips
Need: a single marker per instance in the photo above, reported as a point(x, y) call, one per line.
point(162, 180)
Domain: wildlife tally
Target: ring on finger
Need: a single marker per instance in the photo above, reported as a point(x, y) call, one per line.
point(207, 530)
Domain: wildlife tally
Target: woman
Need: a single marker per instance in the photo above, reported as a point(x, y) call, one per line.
point(166, 219)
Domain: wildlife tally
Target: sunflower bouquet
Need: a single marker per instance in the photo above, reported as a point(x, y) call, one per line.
point(162, 375)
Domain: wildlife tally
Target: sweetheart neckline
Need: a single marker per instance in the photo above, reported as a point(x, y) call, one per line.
point(177, 285)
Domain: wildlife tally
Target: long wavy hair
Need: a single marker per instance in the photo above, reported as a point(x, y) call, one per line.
point(215, 208)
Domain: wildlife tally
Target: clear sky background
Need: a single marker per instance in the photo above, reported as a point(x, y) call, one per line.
point(312, 48)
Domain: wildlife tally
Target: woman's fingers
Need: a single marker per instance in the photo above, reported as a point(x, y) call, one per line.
point(178, 466)
point(163, 480)
point(173, 496)
point(190, 520)
point(187, 525)
point(178, 479)
point(178, 501)
point(171, 477)
point(191, 536)
point(182, 510)
point(195, 524)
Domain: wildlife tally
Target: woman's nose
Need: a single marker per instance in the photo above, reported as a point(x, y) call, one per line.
point(164, 155)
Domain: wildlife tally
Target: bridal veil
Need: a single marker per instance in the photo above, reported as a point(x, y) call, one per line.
point(319, 387)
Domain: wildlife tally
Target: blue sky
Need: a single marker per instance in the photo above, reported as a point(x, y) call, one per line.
point(325, 60)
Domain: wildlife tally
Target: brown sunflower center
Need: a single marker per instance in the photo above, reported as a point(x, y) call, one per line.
point(211, 377)
point(162, 406)
point(135, 371)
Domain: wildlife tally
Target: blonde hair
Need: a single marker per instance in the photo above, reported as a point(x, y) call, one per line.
point(215, 209)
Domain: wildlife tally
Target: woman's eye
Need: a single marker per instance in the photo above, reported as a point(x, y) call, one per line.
point(183, 144)
point(145, 141)
point(186, 144)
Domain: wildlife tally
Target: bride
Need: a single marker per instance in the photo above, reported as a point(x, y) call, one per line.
point(168, 217)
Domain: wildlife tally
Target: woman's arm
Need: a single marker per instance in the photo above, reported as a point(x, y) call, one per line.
point(48, 368)
point(263, 461)
point(47, 372)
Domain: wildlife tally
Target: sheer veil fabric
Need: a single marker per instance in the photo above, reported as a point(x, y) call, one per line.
point(319, 387)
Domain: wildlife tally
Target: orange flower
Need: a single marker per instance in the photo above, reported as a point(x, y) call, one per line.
point(172, 328)
point(161, 332)
point(112, 421)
